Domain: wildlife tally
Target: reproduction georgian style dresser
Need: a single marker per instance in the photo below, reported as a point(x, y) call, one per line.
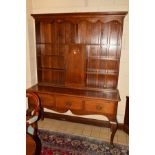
point(78, 57)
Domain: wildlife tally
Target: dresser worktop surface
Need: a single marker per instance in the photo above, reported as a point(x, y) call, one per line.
point(107, 94)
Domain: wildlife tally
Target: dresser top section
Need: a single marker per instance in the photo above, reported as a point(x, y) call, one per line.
point(80, 14)
point(107, 94)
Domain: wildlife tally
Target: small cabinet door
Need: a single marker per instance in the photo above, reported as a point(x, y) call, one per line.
point(75, 65)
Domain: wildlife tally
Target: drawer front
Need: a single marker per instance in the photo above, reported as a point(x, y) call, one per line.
point(100, 107)
point(47, 100)
point(72, 103)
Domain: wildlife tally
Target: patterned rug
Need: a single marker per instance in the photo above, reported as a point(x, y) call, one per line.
point(55, 143)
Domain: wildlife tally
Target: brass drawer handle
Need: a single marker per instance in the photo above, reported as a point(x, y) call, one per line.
point(68, 104)
point(98, 107)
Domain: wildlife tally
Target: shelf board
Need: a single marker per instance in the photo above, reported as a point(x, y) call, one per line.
point(103, 58)
point(102, 72)
point(90, 44)
point(55, 69)
point(90, 57)
point(62, 85)
point(50, 55)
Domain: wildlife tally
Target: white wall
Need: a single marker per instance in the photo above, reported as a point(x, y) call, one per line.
point(52, 6)
point(31, 76)
point(28, 74)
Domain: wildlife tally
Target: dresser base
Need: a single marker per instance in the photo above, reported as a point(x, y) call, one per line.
point(101, 123)
point(80, 102)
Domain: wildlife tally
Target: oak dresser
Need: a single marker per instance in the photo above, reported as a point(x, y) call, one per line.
point(78, 57)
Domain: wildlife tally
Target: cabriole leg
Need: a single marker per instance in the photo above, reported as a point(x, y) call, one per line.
point(113, 131)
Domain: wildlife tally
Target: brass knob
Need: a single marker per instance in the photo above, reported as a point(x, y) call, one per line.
point(59, 20)
point(75, 51)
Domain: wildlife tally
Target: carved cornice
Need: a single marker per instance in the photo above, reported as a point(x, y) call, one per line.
point(78, 17)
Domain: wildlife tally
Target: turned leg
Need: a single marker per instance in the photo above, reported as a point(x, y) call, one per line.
point(113, 130)
point(42, 114)
point(37, 140)
point(38, 145)
point(41, 111)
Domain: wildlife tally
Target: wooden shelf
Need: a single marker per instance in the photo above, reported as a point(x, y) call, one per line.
point(103, 58)
point(48, 55)
point(102, 72)
point(89, 44)
point(55, 69)
point(62, 85)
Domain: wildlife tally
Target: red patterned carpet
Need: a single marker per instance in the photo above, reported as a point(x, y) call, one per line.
point(55, 143)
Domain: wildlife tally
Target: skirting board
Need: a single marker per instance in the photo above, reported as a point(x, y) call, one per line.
point(80, 120)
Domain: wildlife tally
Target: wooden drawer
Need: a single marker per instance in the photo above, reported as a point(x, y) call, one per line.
point(72, 103)
point(100, 107)
point(47, 100)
